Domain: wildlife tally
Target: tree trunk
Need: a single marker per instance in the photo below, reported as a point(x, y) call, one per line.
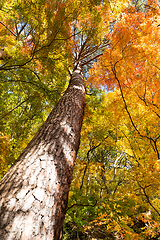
point(34, 192)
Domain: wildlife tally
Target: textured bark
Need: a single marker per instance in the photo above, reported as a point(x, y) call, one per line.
point(34, 193)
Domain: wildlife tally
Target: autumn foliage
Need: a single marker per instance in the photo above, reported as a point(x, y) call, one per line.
point(121, 133)
point(115, 190)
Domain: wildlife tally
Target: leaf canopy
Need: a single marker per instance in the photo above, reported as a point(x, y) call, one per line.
point(116, 176)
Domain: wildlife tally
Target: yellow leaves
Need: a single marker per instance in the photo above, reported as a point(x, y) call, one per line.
point(130, 59)
point(116, 7)
point(157, 165)
point(6, 38)
point(5, 154)
point(96, 167)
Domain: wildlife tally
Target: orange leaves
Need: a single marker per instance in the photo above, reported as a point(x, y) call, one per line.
point(101, 75)
point(133, 55)
point(130, 68)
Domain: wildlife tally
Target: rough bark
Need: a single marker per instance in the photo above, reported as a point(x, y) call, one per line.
point(34, 193)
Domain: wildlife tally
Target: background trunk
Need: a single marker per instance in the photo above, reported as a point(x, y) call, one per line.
point(34, 193)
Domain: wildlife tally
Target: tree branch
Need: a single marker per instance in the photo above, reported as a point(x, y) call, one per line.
point(81, 205)
point(84, 63)
point(126, 108)
point(85, 170)
point(8, 29)
point(22, 28)
point(14, 108)
point(147, 197)
point(115, 168)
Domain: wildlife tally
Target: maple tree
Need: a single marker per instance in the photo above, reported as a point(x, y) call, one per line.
point(116, 176)
point(130, 120)
point(128, 68)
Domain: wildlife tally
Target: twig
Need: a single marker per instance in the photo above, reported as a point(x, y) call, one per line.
point(84, 63)
point(13, 109)
point(82, 205)
point(8, 29)
point(147, 197)
point(130, 117)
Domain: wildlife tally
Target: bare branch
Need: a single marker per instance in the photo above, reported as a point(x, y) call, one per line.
point(115, 167)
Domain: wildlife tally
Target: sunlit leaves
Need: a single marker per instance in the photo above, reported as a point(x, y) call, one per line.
point(6, 155)
point(116, 177)
point(35, 73)
point(128, 116)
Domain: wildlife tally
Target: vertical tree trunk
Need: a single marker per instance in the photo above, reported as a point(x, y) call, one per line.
point(34, 193)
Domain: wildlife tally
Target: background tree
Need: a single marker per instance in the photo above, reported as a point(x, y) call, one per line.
point(130, 114)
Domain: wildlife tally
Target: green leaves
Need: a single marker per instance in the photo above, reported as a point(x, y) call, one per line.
point(34, 77)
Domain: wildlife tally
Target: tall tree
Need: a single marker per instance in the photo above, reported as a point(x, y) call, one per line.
point(41, 41)
point(34, 192)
